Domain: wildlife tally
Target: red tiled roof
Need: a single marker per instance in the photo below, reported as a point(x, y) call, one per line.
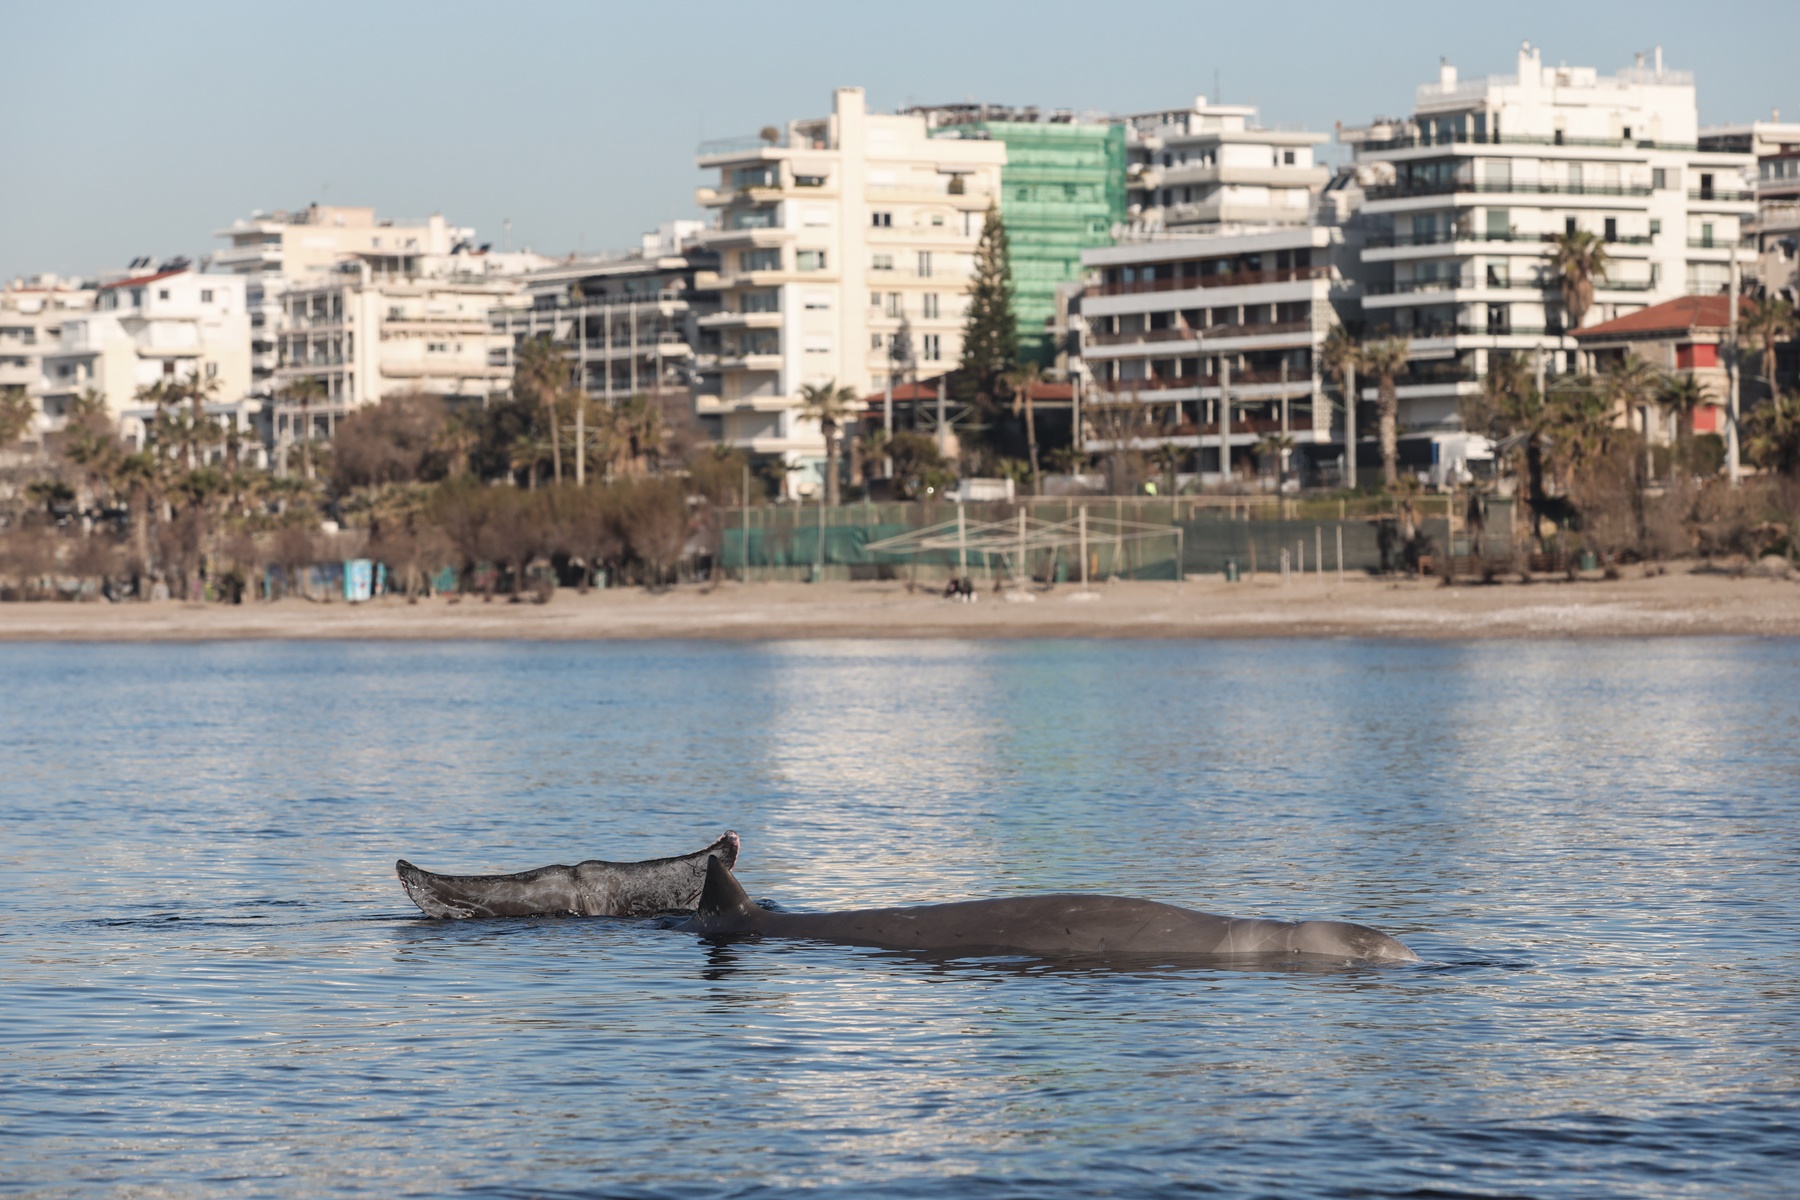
point(1683, 315)
point(143, 279)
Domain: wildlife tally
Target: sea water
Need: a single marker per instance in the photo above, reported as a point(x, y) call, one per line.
point(211, 983)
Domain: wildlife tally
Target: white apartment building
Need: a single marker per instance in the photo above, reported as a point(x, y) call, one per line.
point(278, 250)
point(1775, 233)
point(1181, 330)
point(627, 321)
point(32, 312)
point(1484, 175)
point(845, 246)
point(168, 324)
point(370, 331)
point(1215, 164)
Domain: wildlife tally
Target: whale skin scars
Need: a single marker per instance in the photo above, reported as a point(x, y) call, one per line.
point(590, 889)
point(1052, 926)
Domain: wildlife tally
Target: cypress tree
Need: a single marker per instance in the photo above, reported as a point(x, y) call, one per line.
point(990, 347)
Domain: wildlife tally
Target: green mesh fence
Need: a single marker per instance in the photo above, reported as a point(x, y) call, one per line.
point(790, 542)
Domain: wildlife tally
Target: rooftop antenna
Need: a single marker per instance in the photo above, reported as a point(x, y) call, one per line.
point(1218, 94)
point(506, 226)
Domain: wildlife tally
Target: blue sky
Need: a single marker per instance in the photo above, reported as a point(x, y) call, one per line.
point(140, 128)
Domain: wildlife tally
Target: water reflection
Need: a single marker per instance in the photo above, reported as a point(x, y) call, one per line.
point(206, 961)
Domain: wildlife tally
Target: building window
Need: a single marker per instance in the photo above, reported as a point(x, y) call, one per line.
point(882, 262)
point(206, 295)
point(810, 260)
point(930, 304)
point(1498, 274)
point(809, 181)
point(1655, 228)
point(893, 308)
point(882, 220)
point(162, 293)
point(760, 260)
point(1612, 229)
point(924, 264)
point(1287, 158)
point(874, 299)
point(875, 341)
point(937, 219)
point(1569, 226)
point(437, 347)
point(933, 347)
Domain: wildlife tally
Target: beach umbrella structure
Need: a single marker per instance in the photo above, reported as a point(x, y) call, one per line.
point(1010, 544)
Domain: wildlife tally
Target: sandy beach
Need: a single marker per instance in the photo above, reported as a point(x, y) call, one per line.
point(1673, 604)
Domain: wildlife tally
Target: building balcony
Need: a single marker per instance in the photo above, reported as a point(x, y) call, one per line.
point(1185, 283)
point(1706, 196)
point(1474, 240)
point(731, 360)
point(741, 320)
point(1498, 188)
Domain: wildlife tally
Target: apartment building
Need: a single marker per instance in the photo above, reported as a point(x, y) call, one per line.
point(1062, 191)
point(376, 328)
point(167, 323)
point(629, 322)
point(1775, 232)
point(276, 251)
point(1485, 173)
point(844, 246)
point(1190, 169)
point(32, 312)
point(1210, 343)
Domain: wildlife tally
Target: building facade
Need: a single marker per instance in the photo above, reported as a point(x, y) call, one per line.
point(32, 313)
point(1775, 232)
point(1180, 331)
point(629, 323)
point(1684, 336)
point(1478, 182)
point(1062, 191)
point(844, 247)
point(1191, 169)
point(375, 329)
point(279, 250)
point(168, 325)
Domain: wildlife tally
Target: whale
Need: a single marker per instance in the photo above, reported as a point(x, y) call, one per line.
point(594, 888)
point(1062, 925)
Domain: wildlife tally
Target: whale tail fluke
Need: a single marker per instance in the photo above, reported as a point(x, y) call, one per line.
point(724, 904)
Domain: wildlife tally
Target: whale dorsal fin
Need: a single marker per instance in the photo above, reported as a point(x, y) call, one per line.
point(723, 896)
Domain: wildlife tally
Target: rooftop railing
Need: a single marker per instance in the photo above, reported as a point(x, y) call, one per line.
point(1415, 141)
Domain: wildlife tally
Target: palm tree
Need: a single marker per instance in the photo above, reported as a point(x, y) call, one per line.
point(1772, 438)
point(1629, 385)
point(1385, 360)
point(1339, 356)
point(305, 390)
point(1022, 381)
point(1509, 406)
point(1578, 261)
point(1682, 395)
point(1768, 322)
point(829, 405)
point(16, 415)
point(542, 377)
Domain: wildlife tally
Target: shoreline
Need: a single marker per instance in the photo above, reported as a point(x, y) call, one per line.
point(1668, 605)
